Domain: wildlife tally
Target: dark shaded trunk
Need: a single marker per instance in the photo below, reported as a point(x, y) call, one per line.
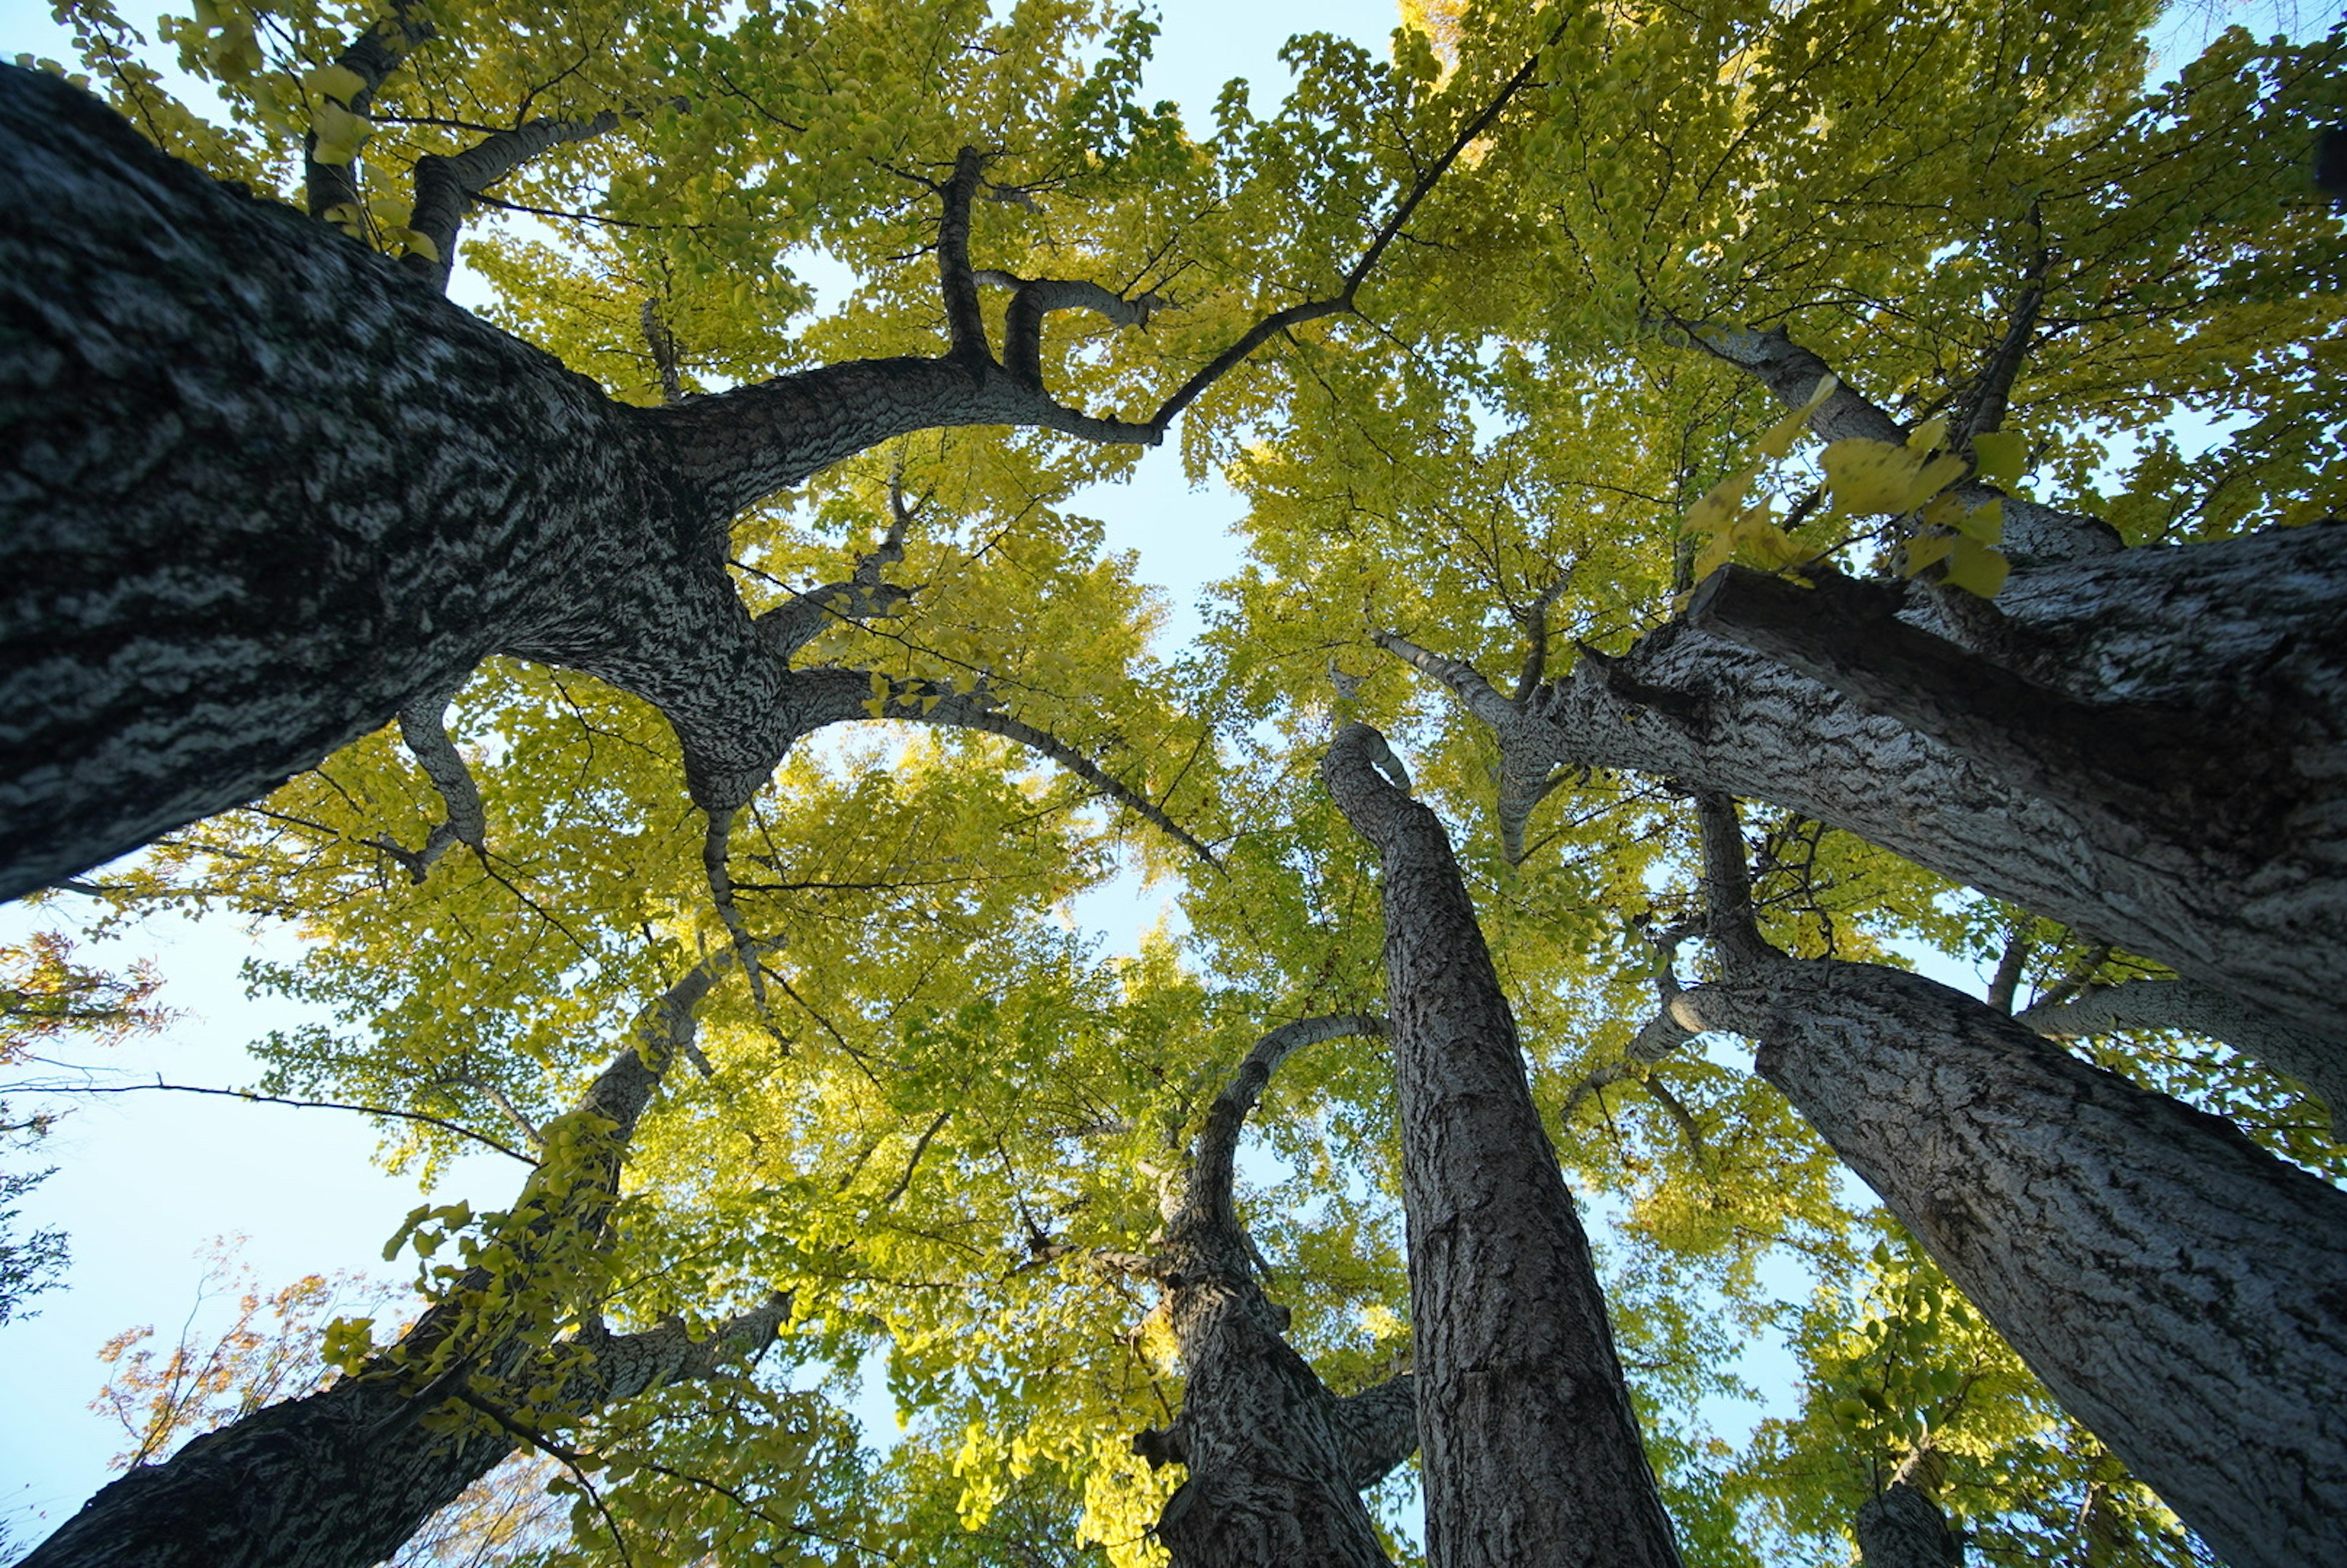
point(265, 487)
point(1277, 1461)
point(2181, 1292)
point(342, 1478)
point(1902, 1528)
point(1531, 1454)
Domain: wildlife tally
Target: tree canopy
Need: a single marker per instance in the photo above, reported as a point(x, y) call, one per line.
point(692, 811)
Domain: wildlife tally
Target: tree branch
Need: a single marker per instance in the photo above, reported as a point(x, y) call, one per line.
point(422, 725)
point(2167, 769)
point(965, 322)
point(372, 55)
point(1792, 372)
point(442, 1122)
point(446, 187)
point(2318, 1062)
point(1208, 1194)
point(864, 596)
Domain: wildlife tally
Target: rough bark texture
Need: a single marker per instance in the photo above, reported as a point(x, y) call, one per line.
point(2316, 1061)
point(1277, 1461)
point(2246, 630)
point(342, 1478)
point(1530, 1451)
point(264, 488)
point(2180, 1291)
point(1902, 1528)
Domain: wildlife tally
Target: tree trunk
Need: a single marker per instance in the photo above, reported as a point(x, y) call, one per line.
point(1531, 1451)
point(1902, 1528)
point(2249, 631)
point(1277, 1461)
point(265, 487)
point(342, 1478)
point(2181, 1292)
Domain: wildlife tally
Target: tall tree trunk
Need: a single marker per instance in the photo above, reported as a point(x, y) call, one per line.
point(1531, 1451)
point(1902, 1528)
point(342, 1478)
point(1277, 1461)
point(2181, 1292)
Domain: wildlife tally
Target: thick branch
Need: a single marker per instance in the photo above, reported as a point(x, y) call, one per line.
point(1793, 373)
point(446, 187)
point(1528, 772)
point(2169, 771)
point(421, 725)
point(1380, 1428)
point(1034, 299)
point(965, 322)
point(2313, 1059)
point(372, 55)
point(864, 596)
point(1208, 1192)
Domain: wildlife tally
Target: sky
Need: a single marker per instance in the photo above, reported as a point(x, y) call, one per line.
point(147, 1181)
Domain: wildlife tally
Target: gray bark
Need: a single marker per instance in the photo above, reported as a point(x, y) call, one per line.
point(1902, 1528)
point(2180, 1291)
point(1531, 1454)
point(2316, 1061)
point(1277, 1461)
point(2246, 630)
point(342, 1477)
point(265, 489)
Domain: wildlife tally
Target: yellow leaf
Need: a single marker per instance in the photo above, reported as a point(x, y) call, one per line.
point(1875, 476)
point(1869, 475)
point(1778, 442)
point(1984, 522)
point(1975, 567)
point(334, 82)
point(2000, 455)
point(340, 133)
point(1928, 436)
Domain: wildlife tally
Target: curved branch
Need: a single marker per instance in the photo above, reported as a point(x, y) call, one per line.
point(421, 725)
point(1208, 1194)
point(833, 696)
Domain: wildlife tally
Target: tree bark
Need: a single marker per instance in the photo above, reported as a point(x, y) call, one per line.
point(2246, 631)
point(1902, 1528)
point(265, 488)
point(1277, 1461)
point(342, 1477)
point(2180, 1291)
point(1531, 1451)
